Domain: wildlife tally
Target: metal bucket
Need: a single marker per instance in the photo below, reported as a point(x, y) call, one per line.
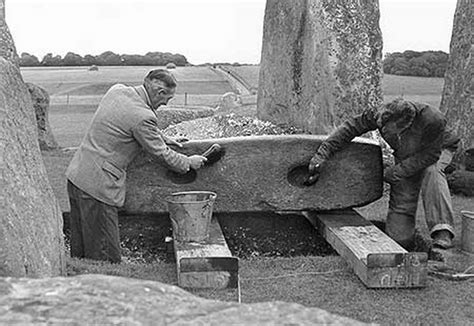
point(467, 232)
point(190, 214)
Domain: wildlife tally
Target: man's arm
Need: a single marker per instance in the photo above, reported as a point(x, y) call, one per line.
point(344, 134)
point(338, 139)
point(150, 138)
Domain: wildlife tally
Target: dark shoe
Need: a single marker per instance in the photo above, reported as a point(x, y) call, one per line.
point(442, 240)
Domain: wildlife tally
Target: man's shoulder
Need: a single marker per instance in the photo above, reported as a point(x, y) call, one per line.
point(120, 88)
point(431, 114)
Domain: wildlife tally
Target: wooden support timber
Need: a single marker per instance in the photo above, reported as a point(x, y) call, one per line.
point(207, 264)
point(377, 260)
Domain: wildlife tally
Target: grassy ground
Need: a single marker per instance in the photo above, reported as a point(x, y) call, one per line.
point(323, 282)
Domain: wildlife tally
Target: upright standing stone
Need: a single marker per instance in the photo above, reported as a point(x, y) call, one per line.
point(7, 46)
point(31, 239)
point(321, 62)
point(40, 99)
point(458, 89)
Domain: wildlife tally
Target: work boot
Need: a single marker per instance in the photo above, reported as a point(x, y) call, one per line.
point(442, 239)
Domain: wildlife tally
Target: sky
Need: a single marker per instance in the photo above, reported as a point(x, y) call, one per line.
point(203, 31)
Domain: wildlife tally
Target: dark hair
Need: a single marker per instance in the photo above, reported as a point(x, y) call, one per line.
point(400, 111)
point(162, 75)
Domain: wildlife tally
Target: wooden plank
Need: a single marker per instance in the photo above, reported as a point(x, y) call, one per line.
point(207, 264)
point(263, 173)
point(376, 259)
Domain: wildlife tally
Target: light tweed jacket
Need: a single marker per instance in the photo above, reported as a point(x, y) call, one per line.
point(123, 124)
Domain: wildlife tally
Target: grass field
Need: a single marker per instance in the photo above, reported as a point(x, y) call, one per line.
point(75, 91)
point(323, 282)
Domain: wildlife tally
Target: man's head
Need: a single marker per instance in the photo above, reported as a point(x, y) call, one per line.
point(396, 115)
point(160, 85)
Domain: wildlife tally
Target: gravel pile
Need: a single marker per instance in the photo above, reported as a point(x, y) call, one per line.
point(223, 126)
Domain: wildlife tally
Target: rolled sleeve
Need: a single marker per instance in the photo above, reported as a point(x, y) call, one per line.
point(150, 138)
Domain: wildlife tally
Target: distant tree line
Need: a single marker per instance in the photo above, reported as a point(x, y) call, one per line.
point(107, 58)
point(412, 63)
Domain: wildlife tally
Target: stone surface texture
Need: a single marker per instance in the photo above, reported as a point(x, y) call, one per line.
point(40, 99)
point(7, 46)
point(320, 63)
point(255, 174)
point(31, 239)
point(110, 300)
point(458, 92)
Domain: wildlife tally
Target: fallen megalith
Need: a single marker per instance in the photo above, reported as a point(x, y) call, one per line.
point(112, 300)
point(321, 62)
point(262, 173)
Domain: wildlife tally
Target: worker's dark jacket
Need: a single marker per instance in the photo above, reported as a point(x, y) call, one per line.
point(415, 148)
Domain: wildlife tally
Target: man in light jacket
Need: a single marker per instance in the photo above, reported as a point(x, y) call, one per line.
point(422, 149)
point(124, 124)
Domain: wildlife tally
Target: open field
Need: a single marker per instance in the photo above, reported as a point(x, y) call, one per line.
point(422, 89)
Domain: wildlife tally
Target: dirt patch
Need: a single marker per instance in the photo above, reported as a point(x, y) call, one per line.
point(248, 234)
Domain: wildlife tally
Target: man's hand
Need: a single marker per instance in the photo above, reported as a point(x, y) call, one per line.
point(314, 169)
point(390, 175)
point(196, 161)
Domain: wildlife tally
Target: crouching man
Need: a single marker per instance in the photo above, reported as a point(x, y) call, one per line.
point(422, 149)
point(124, 124)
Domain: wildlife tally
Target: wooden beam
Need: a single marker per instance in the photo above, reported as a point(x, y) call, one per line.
point(376, 259)
point(262, 173)
point(207, 264)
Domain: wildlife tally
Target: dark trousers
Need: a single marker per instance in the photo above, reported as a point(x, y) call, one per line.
point(94, 227)
point(436, 201)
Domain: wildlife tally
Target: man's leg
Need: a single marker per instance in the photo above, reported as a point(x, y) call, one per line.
point(99, 228)
point(400, 225)
point(436, 199)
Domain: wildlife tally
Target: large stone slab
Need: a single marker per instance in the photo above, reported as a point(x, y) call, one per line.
point(321, 62)
point(111, 300)
point(263, 173)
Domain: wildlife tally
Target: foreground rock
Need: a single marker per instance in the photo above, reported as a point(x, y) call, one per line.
point(100, 300)
point(262, 173)
point(40, 99)
point(31, 240)
point(321, 62)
